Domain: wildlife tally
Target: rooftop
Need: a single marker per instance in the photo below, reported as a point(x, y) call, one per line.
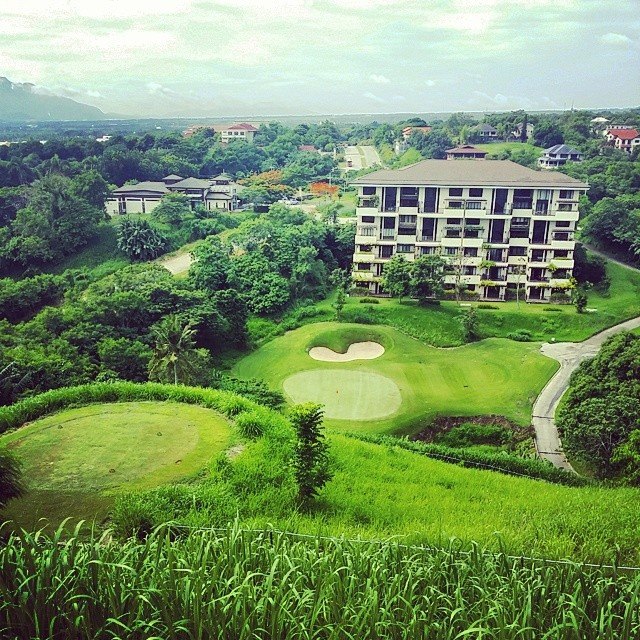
point(192, 183)
point(159, 187)
point(466, 148)
point(243, 126)
point(491, 173)
point(625, 134)
point(562, 148)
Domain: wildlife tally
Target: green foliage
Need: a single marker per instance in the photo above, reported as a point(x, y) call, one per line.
point(175, 358)
point(11, 483)
point(311, 460)
point(599, 412)
point(470, 325)
point(469, 434)
point(55, 222)
point(174, 209)
point(580, 300)
point(590, 269)
point(139, 240)
point(124, 359)
point(396, 276)
point(21, 298)
point(427, 277)
point(177, 582)
point(520, 335)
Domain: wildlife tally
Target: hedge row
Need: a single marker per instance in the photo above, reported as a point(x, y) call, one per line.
point(533, 468)
point(225, 402)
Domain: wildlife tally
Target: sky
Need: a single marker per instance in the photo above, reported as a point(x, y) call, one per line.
point(167, 58)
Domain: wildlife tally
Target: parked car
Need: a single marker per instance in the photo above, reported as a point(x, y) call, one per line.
point(289, 201)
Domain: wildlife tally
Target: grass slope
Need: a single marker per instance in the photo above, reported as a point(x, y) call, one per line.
point(488, 377)
point(75, 460)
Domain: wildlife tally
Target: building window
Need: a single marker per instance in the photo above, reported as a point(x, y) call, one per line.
point(563, 223)
point(566, 194)
point(474, 205)
point(405, 248)
point(452, 233)
point(564, 206)
point(368, 191)
point(454, 220)
point(561, 253)
point(455, 191)
point(368, 219)
point(471, 252)
point(451, 251)
point(517, 251)
point(366, 231)
point(475, 193)
point(472, 222)
point(364, 266)
point(456, 204)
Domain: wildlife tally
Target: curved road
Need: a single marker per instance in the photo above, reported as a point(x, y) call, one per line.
point(569, 355)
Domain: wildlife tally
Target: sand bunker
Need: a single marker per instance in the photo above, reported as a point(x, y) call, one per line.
point(356, 351)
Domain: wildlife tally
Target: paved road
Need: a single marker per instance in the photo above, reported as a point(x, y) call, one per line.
point(569, 355)
point(361, 157)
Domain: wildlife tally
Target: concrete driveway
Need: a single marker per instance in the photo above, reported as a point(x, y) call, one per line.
point(361, 157)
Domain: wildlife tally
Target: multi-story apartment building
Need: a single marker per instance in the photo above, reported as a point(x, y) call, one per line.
point(499, 226)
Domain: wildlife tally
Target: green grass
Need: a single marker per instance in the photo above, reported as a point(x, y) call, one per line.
point(489, 377)
point(75, 460)
point(495, 148)
point(280, 586)
point(100, 253)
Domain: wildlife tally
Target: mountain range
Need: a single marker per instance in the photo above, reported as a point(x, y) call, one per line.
point(23, 101)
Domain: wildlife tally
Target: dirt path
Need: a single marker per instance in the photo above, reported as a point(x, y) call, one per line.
point(178, 263)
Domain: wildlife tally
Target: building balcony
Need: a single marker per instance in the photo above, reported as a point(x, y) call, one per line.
point(361, 256)
point(388, 234)
point(363, 276)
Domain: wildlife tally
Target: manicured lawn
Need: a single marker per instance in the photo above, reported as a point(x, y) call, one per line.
point(495, 148)
point(489, 377)
point(83, 456)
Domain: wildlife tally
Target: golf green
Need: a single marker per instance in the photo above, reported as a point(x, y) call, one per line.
point(410, 383)
point(346, 395)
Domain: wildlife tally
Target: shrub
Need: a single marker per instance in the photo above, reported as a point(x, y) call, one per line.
point(553, 309)
point(521, 335)
point(469, 434)
point(369, 301)
point(485, 305)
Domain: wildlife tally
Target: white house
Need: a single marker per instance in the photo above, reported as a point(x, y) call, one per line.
point(558, 155)
point(242, 131)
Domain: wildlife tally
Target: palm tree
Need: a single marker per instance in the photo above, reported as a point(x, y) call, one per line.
point(175, 352)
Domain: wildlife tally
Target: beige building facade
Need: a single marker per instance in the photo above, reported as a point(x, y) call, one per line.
point(499, 226)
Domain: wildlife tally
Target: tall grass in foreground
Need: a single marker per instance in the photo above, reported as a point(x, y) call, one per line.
point(242, 584)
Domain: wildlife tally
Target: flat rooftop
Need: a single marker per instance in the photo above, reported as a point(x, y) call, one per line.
point(490, 173)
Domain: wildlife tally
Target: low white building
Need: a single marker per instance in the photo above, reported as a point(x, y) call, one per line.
point(242, 131)
point(219, 192)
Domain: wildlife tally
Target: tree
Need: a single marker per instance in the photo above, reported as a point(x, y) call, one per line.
point(311, 459)
point(342, 281)
point(10, 478)
point(427, 277)
point(580, 300)
point(321, 189)
point(173, 209)
point(396, 277)
point(139, 240)
point(211, 265)
point(175, 357)
point(470, 325)
point(600, 413)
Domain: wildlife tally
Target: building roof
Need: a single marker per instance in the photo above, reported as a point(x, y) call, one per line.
point(561, 148)
point(466, 148)
point(172, 176)
point(494, 173)
point(306, 147)
point(218, 195)
point(192, 183)
point(243, 126)
point(625, 134)
point(486, 128)
point(222, 176)
point(158, 187)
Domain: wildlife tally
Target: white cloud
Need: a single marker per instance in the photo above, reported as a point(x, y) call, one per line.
point(379, 79)
point(430, 83)
point(616, 39)
point(371, 96)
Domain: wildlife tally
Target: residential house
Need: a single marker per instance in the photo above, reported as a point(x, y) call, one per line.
point(486, 132)
point(219, 192)
point(623, 137)
point(500, 227)
point(517, 131)
point(466, 151)
point(242, 131)
point(558, 155)
point(402, 144)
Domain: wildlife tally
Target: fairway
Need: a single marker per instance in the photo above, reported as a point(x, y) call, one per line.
point(346, 395)
point(493, 376)
point(84, 455)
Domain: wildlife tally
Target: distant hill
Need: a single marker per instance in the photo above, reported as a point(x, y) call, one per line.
point(19, 102)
